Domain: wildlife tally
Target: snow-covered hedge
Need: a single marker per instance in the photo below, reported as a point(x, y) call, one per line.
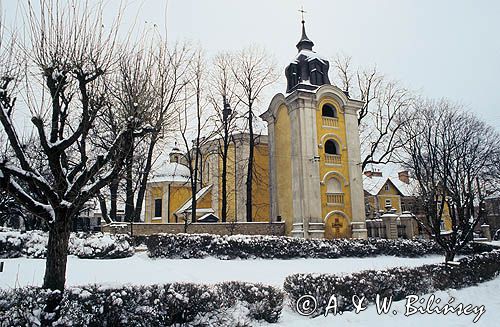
point(99, 245)
point(396, 282)
point(246, 246)
point(225, 304)
point(33, 244)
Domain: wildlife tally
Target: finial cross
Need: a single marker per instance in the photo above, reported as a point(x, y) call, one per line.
point(302, 11)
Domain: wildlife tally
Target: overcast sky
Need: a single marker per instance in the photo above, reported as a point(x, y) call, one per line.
point(445, 48)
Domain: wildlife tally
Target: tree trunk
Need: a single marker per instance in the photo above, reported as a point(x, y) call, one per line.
point(449, 256)
point(250, 168)
point(104, 208)
point(113, 190)
point(142, 187)
point(57, 251)
point(55, 267)
point(129, 197)
point(224, 178)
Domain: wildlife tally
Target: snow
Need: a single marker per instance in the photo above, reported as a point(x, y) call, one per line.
point(171, 172)
point(484, 294)
point(494, 243)
point(310, 55)
point(374, 184)
point(140, 269)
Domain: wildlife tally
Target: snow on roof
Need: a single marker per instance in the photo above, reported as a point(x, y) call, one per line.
point(171, 172)
point(407, 189)
point(374, 184)
point(187, 205)
point(208, 217)
point(310, 54)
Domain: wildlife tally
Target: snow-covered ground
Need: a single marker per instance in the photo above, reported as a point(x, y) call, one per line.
point(484, 294)
point(496, 243)
point(140, 269)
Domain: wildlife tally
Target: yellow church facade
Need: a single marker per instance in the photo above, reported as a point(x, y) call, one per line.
point(306, 170)
point(314, 155)
point(169, 195)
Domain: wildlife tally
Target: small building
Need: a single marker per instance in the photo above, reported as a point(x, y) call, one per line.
point(395, 195)
point(168, 192)
point(492, 205)
point(386, 192)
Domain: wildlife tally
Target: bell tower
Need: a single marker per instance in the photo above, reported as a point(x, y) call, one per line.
point(314, 151)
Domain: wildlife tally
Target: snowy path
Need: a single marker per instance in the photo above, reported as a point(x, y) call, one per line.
point(140, 269)
point(484, 294)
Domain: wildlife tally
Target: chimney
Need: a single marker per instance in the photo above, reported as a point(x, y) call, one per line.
point(404, 176)
point(373, 173)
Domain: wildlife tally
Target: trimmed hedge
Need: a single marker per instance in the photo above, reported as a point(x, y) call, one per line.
point(281, 247)
point(225, 304)
point(33, 244)
point(396, 282)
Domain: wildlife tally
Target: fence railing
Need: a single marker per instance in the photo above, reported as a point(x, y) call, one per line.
point(330, 122)
point(335, 198)
point(333, 159)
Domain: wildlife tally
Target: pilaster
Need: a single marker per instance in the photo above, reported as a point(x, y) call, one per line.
point(305, 169)
point(358, 222)
point(273, 182)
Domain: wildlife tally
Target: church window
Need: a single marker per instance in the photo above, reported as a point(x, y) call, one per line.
point(386, 187)
point(333, 185)
point(328, 111)
point(158, 207)
point(331, 147)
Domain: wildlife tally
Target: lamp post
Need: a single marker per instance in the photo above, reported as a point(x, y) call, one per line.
point(226, 113)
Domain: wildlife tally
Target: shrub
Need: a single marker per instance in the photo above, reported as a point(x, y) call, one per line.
point(396, 282)
point(99, 245)
point(33, 244)
point(155, 305)
point(281, 247)
point(11, 244)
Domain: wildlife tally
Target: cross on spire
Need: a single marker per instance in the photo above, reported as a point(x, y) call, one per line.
point(304, 42)
point(302, 11)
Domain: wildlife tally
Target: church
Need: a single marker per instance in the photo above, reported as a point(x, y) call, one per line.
point(308, 166)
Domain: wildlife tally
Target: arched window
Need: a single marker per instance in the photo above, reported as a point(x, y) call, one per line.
point(333, 185)
point(331, 147)
point(328, 111)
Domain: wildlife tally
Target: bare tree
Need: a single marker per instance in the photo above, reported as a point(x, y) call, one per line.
point(253, 71)
point(192, 121)
point(69, 51)
point(11, 213)
point(450, 153)
point(224, 101)
point(383, 115)
point(147, 85)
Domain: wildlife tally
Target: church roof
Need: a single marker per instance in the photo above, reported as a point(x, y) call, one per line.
point(307, 71)
point(171, 172)
point(309, 55)
point(200, 194)
point(305, 42)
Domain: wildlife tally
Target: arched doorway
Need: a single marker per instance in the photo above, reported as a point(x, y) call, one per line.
point(337, 225)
